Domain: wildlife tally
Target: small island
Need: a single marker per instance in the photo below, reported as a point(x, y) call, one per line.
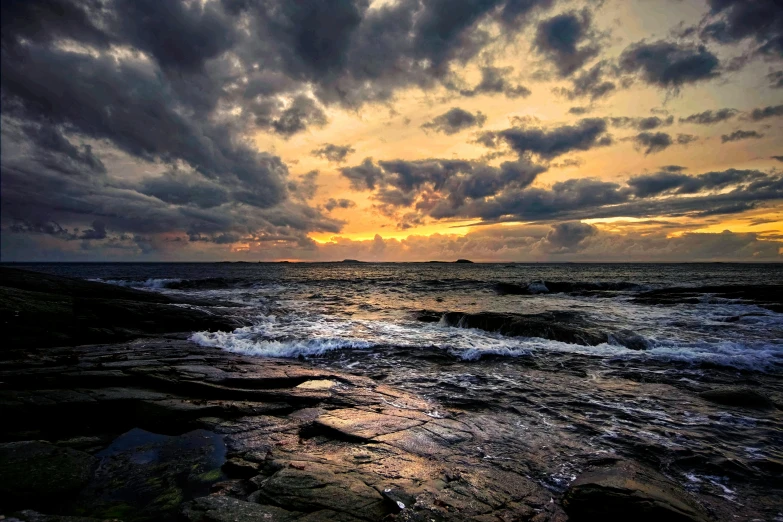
point(464, 261)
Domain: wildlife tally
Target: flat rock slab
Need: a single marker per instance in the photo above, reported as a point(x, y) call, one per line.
point(363, 425)
point(35, 470)
point(227, 509)
point(628, 491)
point(309, 486)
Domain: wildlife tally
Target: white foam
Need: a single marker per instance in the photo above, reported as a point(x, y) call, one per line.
point(312, 334)
point(152, 284)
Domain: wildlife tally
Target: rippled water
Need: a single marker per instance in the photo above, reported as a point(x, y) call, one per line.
point(549, 406)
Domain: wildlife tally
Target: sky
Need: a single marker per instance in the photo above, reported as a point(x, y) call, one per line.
point(392, 130)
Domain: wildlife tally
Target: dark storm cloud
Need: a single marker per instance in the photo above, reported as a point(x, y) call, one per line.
point(653, 142)
point(493, 81)
point(567, 40)
point(766, 112)
point(669, 65)
point(568, 235)
point(446, 183)
point(588, 133)
point(669, 182)
point(332, 204)
point(710, 117)
point(303, 112)
point(590, 84)
point(740, 135)
point(585, 198)
point(363, 177)
point(684, 139)
point(643, 124)
point(455, 120)
point(182, 189)
point(731, 21)
point(333, 153)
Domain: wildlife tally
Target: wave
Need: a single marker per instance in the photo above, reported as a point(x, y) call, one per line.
point(567, 287)
point(152, 284)
point(316, 336)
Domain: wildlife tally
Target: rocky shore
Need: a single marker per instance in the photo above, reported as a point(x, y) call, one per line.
point(111, 413)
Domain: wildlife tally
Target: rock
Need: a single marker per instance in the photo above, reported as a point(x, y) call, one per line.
point(227, 509)
point(567, 327)
point(239, 468)
point(397, 499)
point(739, 397)
point(361, 425)
point(627, 491)
point(33, 516)
point(767, 296)
point(309, 486)
point(41, 473)
point(83, 312)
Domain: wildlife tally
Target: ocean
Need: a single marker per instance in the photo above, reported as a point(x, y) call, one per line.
point(563, 361)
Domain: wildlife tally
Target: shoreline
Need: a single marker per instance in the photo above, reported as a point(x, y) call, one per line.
point(159, 428)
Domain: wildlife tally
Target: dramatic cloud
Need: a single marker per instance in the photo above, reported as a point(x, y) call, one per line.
point(590, 84)
point(333, 153)
point(193, 129)
point(740, 135)
point(493, 81)
point(669, 65)
point(586, 134)
point(567, 40)
point(653, 142)
point(454, 121)
point(760, 21)
point(643, 124)
point(766, 112)
point(710, 117)
point(672, 182)
point(332, 204)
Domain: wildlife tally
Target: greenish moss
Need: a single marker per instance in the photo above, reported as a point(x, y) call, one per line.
point(120, 511)
point(169, 500)
point(209, 476)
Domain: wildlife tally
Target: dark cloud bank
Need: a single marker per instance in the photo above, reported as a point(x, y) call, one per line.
point(175, 88)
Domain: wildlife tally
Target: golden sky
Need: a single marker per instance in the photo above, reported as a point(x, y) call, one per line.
point(206, 147)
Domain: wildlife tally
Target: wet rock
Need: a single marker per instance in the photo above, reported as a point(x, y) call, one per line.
point(82, 312)
point(33, 516)
point(227, 509)
point(309, 486)
point(738, 397)
point(397, 499)
point(628, 491)
point(361, 425)
point(239, 468)
point(558, 326)
point(767, 296)
point(40, 473)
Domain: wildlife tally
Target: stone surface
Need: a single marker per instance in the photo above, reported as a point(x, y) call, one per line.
point(227, 509)
point(362, 425)
point(35, 470)
point(627, 491)
point(738, 397)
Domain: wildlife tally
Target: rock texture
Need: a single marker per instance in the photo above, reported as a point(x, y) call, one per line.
point(149, 416)
point(628, 491)
point(81, 312)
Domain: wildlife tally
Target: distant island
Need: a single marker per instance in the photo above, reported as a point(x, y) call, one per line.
point(354, 261)
point(463, 261)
